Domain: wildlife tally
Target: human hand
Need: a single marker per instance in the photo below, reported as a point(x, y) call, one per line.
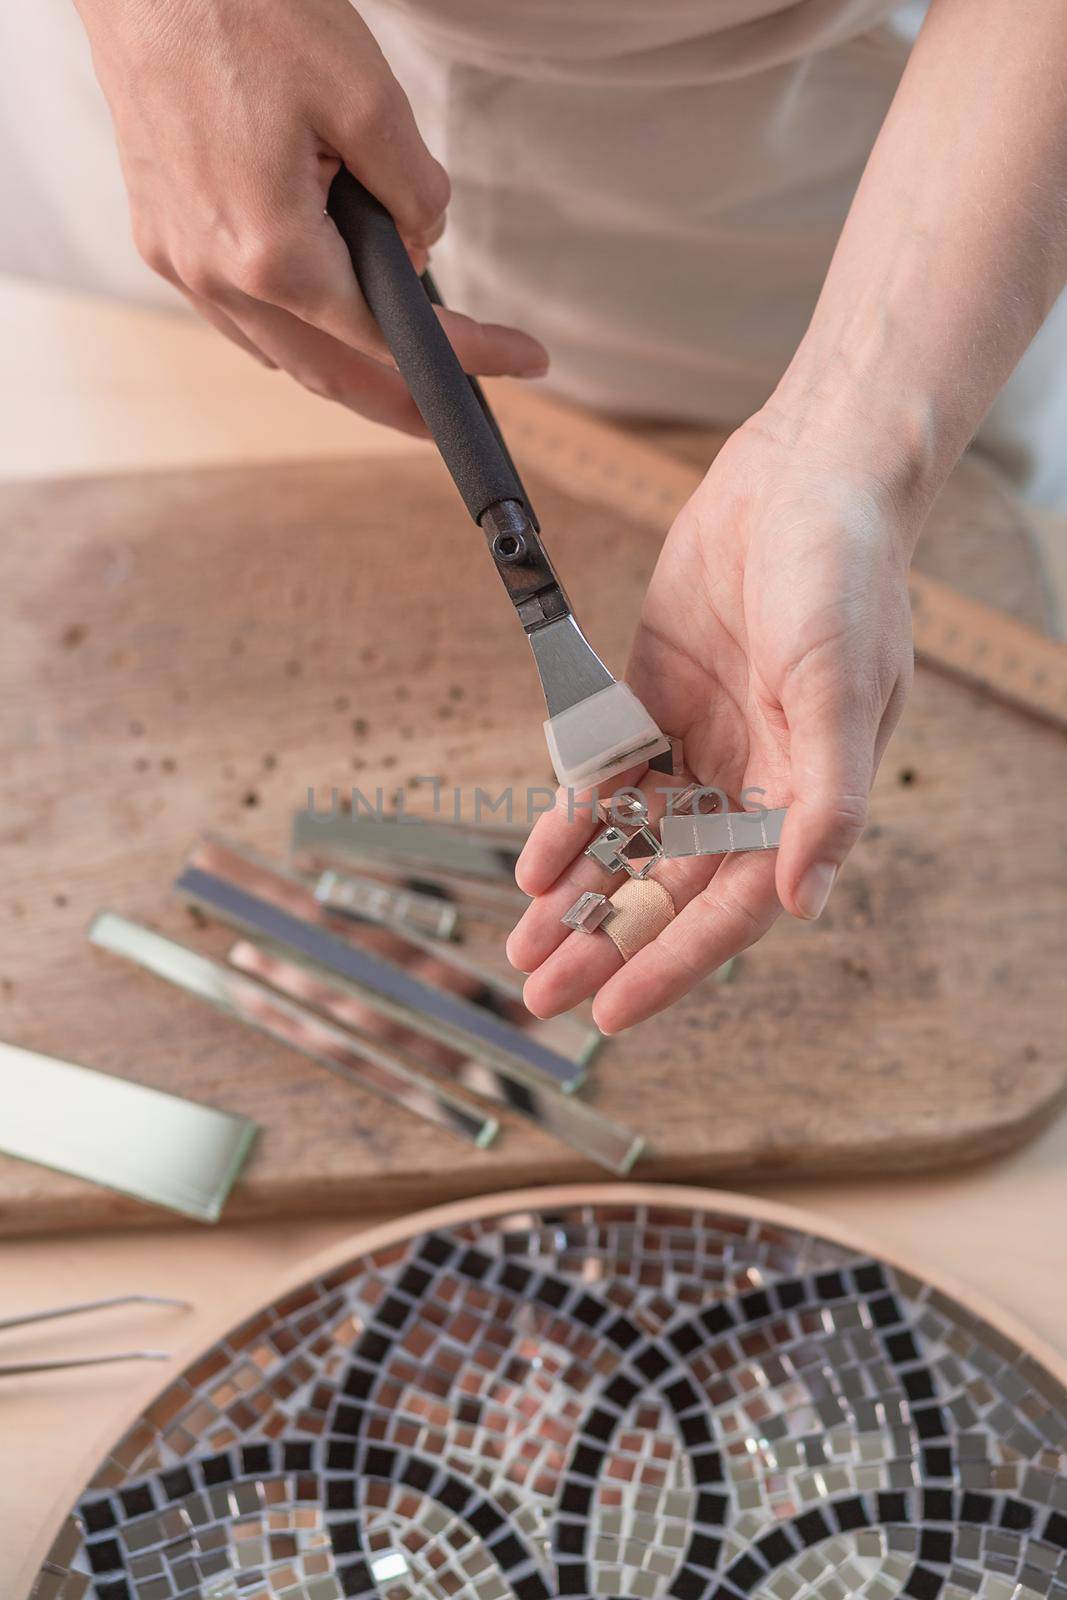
point(232, 117)
point(775, 639)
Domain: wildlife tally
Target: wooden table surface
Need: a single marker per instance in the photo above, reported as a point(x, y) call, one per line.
point(79, 395)
point(192, 650)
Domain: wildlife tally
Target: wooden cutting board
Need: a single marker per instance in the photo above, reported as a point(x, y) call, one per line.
point(194, 651)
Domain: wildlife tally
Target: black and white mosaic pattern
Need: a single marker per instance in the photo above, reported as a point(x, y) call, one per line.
point(607, 1400)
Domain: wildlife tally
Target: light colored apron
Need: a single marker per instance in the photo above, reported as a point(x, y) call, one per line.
point(654, 190)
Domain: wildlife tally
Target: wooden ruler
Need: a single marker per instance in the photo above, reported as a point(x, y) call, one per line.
point(984, 647)
point(642, 481)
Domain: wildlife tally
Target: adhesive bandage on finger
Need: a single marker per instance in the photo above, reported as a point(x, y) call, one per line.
point(642, 908)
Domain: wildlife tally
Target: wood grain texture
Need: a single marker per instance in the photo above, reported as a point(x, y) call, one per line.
point(196, 650)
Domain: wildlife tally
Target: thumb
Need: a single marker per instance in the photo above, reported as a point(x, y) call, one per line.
point(832, 768)
point(373, 130)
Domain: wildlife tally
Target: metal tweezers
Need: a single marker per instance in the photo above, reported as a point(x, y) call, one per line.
point(13, 1369)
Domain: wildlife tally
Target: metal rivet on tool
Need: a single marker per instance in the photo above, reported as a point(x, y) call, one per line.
point(509, 546)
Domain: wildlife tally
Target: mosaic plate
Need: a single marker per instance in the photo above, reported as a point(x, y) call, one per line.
point(634, 1398)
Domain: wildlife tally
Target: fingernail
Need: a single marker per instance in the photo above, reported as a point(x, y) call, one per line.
point(536, 370)
point(522, 865)
point(813, 890)
point(542, 1016)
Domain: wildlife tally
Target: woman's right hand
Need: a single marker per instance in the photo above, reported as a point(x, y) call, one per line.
point(232, 117)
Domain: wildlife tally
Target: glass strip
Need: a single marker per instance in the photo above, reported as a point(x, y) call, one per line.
point(722, 834)
point(157, 1147)
point(473, 901)
point(368, 1065)
point(501, 996)
point(447, 995)
point(489, 853)
point(498, 905)
point(363, 898)
point(565, 1118)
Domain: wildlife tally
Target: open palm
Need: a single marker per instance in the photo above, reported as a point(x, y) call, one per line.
point(775, 640)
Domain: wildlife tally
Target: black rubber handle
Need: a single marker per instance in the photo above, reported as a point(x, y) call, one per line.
point(452, 405)
point(433, 294)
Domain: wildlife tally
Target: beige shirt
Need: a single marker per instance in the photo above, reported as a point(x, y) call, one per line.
point(653, 187)
point(654, 190)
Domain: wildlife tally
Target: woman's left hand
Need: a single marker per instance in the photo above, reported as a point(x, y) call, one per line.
point(775, 640)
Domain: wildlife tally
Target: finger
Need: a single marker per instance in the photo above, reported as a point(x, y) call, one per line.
point(373, 130)
point(734, 909)
point(557, 859)
point(327, 367)
point(491, 350)
point(831, 770)
point(227, 327)
point(539, 931)
point(558, 835)
point(430, 236)
point(577, 969)
point(893, 712)
point(307, 271)
point(580, 965)
point(292, 256)
point(541, 936)
point(572, 969)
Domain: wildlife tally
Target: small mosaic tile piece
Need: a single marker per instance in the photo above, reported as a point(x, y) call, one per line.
point(589, 912)
point(604, 1400)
